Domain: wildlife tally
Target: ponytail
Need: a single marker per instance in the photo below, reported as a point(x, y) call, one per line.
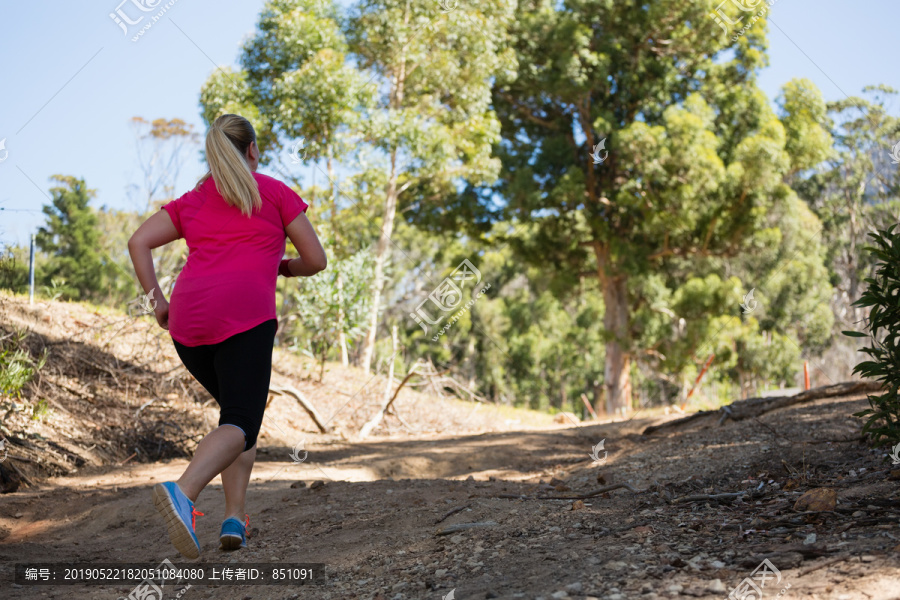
point(226, 146)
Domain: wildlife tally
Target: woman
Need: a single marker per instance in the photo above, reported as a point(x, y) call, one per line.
point(222, 311)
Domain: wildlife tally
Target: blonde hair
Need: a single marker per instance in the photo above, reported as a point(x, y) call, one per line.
point(226, 146)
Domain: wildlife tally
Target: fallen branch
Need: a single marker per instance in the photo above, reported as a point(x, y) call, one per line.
point(452, 512)
point(378, 416)
point(591, 494)
point(20, 473)
point(286, 390)
point(826, 563)
point(681, 421)
point(597, 492)
point(754, 407)
point(462, 527)
point(727, 496)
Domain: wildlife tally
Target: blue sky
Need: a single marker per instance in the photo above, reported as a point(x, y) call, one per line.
point(71, 80)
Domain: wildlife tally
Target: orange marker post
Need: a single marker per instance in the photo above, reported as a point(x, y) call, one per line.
point(806, 374)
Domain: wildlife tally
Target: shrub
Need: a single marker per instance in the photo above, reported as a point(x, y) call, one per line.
point(882, 297)
point(17, 367)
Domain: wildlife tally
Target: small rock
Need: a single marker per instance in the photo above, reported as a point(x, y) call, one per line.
point(817, 500)
point(18, 515)
point(858, 513)
point(317, 484)
point(566, 418)
point(577, 505)
point(457, 539)
point(675, 588)
point(298, 484)
point(869, 558)
point(716, 586)
point(440, 572)
point(559, 594)
point(810, 539)
point(470, 478)
point(616, 565)
point(574, 587)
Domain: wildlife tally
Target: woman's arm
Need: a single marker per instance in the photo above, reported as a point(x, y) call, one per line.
point(156, 231)
point(312, 255)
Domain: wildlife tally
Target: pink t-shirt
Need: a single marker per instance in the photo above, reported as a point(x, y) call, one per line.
point(227, 285)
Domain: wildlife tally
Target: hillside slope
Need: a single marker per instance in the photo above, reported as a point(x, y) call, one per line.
point(114, 390)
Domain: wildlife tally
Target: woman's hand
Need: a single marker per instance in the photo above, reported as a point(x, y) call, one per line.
point(162, 313)
point(153, 233)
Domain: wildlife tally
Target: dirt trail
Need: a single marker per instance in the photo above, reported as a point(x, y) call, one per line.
point(373, 522)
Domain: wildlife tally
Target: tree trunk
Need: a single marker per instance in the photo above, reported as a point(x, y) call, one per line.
point(599, 393)
point(339, 283)
point(618, 361)
point(381, 252)
point(397, 77)
point(342, 337)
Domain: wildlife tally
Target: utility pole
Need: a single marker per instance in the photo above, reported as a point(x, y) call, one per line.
point(31, 274)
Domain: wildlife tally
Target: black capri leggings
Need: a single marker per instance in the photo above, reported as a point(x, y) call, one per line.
point(236, 371)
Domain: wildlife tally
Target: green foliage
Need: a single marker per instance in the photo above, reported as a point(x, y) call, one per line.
point(17, 367)
point(856, 191)
point(71, 239)
point(804, 117)
point(14, 269)
point(697, 160)
point(40, 410)
point(56, 288)
point(321, 307)
point(882, 420)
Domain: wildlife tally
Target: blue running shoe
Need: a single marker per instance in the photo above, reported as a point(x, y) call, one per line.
point(234, 534)
point(178, 511)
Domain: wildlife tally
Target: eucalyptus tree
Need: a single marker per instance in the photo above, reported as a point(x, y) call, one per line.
point(636, 142)
point(432, 122)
